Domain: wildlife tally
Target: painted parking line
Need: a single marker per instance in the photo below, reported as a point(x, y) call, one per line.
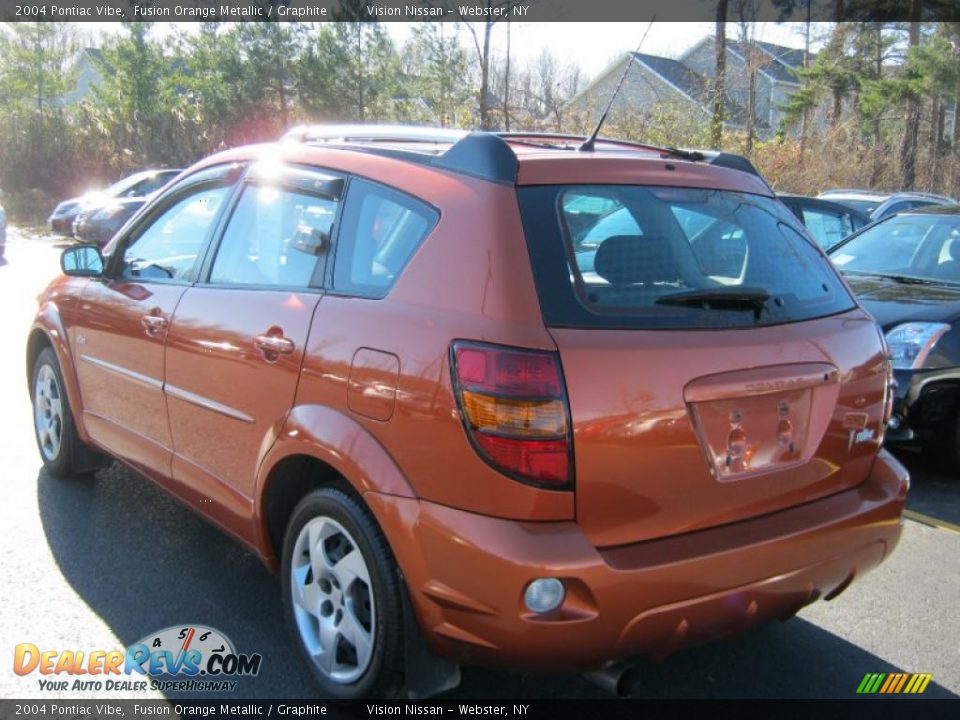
point(932, 521)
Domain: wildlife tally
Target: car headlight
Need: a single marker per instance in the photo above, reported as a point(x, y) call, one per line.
point(911, 343)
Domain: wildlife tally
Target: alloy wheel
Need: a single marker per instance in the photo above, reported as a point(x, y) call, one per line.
point(333, 602)
point(48, 412)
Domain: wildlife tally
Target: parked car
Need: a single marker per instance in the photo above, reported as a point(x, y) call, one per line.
point(3, 230)
point(828, 222)
point(137, 185)
point(98, 224)
point(906, 272)
point(881, 205)
point(372, 356)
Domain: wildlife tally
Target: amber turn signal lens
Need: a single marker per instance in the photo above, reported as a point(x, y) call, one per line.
point(517, 418)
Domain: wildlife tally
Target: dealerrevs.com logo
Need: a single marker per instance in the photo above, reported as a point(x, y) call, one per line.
point(180, 657)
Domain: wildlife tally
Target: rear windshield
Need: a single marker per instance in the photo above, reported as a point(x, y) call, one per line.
point(626, 256)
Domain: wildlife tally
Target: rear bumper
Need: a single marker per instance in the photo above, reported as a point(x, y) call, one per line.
point(466, 575)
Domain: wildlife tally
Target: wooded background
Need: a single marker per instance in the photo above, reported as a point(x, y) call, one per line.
point(166, 99)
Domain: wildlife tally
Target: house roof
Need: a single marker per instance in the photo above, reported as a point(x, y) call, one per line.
point(692, 84)
point(784, 60)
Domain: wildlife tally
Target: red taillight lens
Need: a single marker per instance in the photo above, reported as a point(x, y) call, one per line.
point(515, 411)
point(508, 372)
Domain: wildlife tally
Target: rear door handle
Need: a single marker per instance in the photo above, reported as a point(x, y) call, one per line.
point(153, 324)
point(272, 346)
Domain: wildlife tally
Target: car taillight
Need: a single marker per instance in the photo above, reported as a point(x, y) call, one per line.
point(514, 408)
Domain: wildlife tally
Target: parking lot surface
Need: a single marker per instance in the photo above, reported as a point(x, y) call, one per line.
point(101, 562)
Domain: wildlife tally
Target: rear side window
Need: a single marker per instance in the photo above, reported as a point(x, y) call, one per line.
point(631, 257)
point(380, 230)
point(827, 227)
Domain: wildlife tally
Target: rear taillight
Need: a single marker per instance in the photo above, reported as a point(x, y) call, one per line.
point(514, 408)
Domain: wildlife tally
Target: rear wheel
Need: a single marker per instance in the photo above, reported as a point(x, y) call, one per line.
point(341, 594)
point(60, 448)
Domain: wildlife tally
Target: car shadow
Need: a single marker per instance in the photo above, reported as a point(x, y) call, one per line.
point(142, 562)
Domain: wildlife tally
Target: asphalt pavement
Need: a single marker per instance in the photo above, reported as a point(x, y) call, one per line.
point(101, 562)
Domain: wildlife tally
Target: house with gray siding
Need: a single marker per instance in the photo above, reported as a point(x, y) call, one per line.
point(686, 84)
point(775, 74)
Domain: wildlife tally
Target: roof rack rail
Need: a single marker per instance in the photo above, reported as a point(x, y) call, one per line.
point(372, 133)
point(482, 154)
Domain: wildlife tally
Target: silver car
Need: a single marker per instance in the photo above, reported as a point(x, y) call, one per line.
point(879, 205)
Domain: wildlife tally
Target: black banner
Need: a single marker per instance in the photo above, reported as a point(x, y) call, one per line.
point(459, 10)
point(470, 710)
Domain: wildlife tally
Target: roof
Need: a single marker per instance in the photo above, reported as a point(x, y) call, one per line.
point(497, 156)
point(783, 60)
point(854, 194)
point(690, 83)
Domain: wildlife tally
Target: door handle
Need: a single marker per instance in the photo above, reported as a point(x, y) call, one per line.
point(153, 324)
point(272, 346)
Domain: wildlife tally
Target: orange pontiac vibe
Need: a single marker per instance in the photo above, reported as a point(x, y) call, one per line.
point(484, 399)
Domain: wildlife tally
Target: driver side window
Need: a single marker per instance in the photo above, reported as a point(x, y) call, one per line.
point(168, 248)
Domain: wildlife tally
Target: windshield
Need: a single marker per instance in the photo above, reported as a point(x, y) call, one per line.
point(633, 256)
point(925, 247)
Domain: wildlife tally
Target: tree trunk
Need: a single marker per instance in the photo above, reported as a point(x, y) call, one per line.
point(805, 118)
point(908, 149)
point(751, 105)
point(506, 85)
point(720, 71)
point(485, 120)
point(839, 40)
point(878, 156)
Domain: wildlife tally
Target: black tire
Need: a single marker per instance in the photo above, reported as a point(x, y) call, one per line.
point(326, 510)
point(70, 456)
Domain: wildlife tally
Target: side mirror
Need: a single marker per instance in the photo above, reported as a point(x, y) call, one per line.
point(82, 261)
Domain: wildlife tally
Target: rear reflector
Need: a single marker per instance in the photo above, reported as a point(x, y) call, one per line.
point(515, 412)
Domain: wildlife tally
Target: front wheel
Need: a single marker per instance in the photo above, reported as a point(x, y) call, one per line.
point(60, 448)
point(342, 597)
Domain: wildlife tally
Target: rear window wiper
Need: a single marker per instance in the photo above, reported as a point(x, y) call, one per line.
point(740, 297)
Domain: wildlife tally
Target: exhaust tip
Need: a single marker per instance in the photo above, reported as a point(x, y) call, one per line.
point(616, 679)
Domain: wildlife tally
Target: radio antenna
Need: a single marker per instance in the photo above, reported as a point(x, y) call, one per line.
point(588, 143)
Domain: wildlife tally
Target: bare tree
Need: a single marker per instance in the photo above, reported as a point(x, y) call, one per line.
point(481, 44)
point(719, 78)
point(908, 149)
